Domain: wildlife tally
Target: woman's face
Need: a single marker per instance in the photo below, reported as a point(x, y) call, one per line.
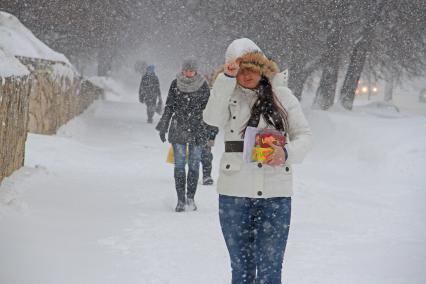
point(248, 78)
point(189, 73)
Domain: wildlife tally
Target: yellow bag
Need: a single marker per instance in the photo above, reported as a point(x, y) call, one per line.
point(171, 157)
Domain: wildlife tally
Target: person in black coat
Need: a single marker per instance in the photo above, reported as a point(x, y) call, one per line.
point(182, 119)
point(149, 92)
point(207, 155)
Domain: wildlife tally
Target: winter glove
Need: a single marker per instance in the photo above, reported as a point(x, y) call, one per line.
point(210, 143)
point(278, 156)
point(163, 136)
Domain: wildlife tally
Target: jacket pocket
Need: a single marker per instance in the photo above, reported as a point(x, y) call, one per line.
point(279, 174)
point(287, 169)
point(230, 165)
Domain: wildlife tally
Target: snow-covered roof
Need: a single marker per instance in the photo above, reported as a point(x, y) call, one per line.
point(17, 40)
point(10, 66)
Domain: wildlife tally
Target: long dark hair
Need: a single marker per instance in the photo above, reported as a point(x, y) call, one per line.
point(269, 107)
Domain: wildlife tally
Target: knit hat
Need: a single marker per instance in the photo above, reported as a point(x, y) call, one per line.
point(150, 68)
point(190, 64)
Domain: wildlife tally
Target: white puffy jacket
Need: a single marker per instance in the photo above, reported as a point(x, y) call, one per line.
point(229, 109)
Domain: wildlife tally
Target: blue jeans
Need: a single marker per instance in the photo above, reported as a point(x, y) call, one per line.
point(255, 232)
point(194, 157)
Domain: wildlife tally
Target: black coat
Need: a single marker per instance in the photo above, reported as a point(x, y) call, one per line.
point(185, 111)
point(149, 89)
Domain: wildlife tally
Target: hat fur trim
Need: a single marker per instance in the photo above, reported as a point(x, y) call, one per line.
point(258, 62)
point(255, 61)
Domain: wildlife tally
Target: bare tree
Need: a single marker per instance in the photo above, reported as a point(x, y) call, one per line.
point(393, 39)
point(304, 36)
point(330, 60)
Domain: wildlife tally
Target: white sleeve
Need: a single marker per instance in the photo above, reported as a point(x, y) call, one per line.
point(216, 112)
point(299, 131)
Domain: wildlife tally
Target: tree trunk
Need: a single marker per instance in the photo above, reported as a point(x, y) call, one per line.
point(353, 74)
point(104, 62)
point(326, 92)
point(297, 81)
point(358, 58)
point(298, 75)
point(389, 89)
point(324, 97)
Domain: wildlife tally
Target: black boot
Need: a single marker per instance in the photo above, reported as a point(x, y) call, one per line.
point(207, 180)
point(190, 204)
point(206, 161)
point(180, 207)
point(207, 170)
point(180, 180)
point(191, 189)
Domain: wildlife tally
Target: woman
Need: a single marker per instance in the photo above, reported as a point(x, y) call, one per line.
point(182, 118)
point(255, 198)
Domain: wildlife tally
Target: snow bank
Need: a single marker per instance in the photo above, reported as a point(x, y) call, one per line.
point(380, 109)
point(378, 145)
point(63, 71)
point(10, 66)
point(16, 39)
point(10, 194)
point(113, 89)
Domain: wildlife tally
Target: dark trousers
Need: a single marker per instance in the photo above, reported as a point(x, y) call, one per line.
point(255, 232)
point(180, 156)
point(206, 160)
point(150, 110)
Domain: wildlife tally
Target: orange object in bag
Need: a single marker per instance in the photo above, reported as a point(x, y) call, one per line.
point(262, 147)
point(260, 153)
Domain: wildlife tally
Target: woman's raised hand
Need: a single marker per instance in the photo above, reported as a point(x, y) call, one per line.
point(277, 158)
point(231, 68)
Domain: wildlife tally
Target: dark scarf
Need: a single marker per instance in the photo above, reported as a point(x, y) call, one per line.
point(265, 106)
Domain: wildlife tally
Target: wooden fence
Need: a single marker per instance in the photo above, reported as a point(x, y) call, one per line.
point(14, 98)
point(39, 103)
point(55, 99)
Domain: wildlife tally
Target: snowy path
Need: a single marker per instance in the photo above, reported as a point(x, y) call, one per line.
point(94, 204)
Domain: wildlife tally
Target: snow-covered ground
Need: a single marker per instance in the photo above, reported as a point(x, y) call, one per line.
point(94, 204)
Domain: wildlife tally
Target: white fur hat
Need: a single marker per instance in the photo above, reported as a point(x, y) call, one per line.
point(239, 47)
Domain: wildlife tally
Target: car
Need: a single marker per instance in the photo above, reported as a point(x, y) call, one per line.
point(366, 89)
